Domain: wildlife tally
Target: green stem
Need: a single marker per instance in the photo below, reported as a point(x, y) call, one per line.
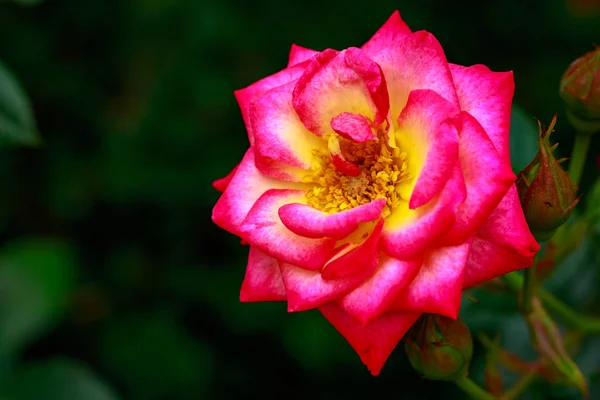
point(578, 156)
point(518, 388)
point(514, 281)
point(586, 324)
point(529, 289)
point(473, 389)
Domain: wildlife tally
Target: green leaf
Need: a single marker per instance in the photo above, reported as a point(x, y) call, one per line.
point(523, 138)
point(17, 124)
point(36, 277)
point(156, 358)
point(219, 288)
point(58, 379)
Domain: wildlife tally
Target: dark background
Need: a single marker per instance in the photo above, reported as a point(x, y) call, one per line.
point(114, 282)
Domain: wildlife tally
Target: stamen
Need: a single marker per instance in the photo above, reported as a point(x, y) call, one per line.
point(379, 166)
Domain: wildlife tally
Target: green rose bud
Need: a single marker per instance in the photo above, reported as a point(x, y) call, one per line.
point(545, 190)
point(580, 89)
point(440, 348)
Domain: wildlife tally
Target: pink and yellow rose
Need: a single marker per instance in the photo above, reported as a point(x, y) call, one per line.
point(377, 186)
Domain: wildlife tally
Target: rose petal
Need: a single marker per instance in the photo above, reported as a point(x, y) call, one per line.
point(408, 233)
point(487, 176)
point(306, 221)
point(263, 279)
point(221, 184)
point(354, 256)
point(503, 244)
point(337, 82)
point(279, 170)
point(376, 295)
point(309, 289)
point(280, 136)
point(338, 159)
point(487, 96)
point(415, 61)
point(375, 342)
point(386, 36)
point(247, 95)
point(263, 228)
point(353, 127)
point(246, 186)
point(437, 287)
point(489, 260)
point(507, 227)
point(427, 134)
point(299, 54)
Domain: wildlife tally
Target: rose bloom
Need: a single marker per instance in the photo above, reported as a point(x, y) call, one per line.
point(377, 186)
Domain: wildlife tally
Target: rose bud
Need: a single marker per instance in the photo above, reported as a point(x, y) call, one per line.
point(580, 89)
point(545, 190)
point(548, 342)
point(440, 348)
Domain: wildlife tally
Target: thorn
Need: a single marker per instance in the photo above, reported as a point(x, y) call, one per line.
point(413, 344)
point(473, 299)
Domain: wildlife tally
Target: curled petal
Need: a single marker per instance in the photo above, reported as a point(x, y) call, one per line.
point(353, 127)
point(386, 36)
point(221, 184)
point(408, 233)
point(247, 95)
point(415, 61)
point(279, 134)
point(438, 286)
point(309, 289)
point(487, 176)
point(246, 186)
point(487, 96)
point(376, 295)
point(373, 343)
point(338, 159)
point(352, 257)
point(337, 82)
point(309, 222)
point(299, 54)
point(263, 279)
point(263, 228)
point(430, 138)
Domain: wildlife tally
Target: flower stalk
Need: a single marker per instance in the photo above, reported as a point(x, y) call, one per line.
point(584, 323)
point(473, 389)
point(529, 288)
point(578, 156)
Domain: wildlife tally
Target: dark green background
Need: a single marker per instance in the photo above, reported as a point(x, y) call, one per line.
point(114, 283)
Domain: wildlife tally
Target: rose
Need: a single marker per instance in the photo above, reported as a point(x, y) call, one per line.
point(377, 186)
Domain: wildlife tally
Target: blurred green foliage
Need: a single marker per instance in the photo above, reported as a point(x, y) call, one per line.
point(16, 117)
point(115, 284)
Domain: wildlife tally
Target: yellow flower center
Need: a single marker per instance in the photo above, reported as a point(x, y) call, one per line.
point(382, 167)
